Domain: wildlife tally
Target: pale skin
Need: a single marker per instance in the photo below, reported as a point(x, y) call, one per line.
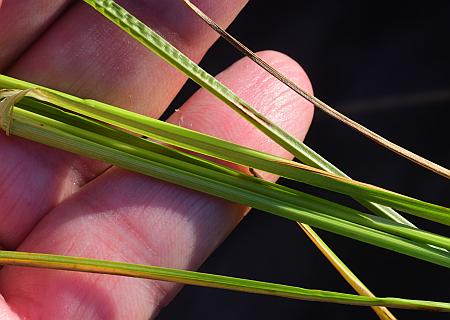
point(56, 202)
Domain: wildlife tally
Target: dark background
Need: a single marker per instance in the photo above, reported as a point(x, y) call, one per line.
point(386, 65)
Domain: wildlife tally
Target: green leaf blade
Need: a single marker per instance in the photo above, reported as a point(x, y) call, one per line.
point(208, 280)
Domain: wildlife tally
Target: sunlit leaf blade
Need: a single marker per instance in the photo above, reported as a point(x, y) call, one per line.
point(297, 198)
point(74, 133)
point(207, 280)
point(214, 147)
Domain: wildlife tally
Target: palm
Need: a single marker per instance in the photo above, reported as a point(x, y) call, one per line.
point(53, 201)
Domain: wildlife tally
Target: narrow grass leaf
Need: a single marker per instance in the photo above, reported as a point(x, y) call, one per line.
point(207, 280)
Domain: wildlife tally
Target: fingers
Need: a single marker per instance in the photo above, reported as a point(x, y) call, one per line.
point(84, 54)
point(22, 22)
point(128, 217)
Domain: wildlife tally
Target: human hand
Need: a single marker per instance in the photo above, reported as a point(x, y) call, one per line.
point(56, 202)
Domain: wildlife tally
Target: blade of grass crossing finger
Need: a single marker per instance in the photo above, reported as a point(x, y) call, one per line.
point(208, 145)
point(214, 147)
point(38, 107)
point(207, 280)
point(223, 182)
